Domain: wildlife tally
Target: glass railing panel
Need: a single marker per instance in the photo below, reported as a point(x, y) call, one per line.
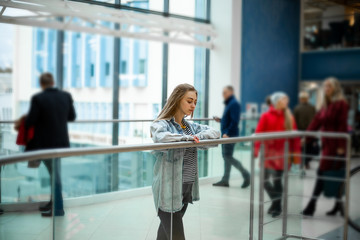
point(23, 184)
point(116, 205)
point(23, 191)
point(8, 140)
point(222, 212)
point(354, 210)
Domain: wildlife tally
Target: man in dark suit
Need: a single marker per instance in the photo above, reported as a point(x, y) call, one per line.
point(230, 128)
point(49, 113)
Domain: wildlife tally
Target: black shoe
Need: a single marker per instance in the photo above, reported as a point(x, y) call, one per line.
point(310, 209)
point(271, 208)
point(46, 207)
point(58, 213)
point(221, 184)
point(246, 182)
point(276, 213)
point(1, 211)
point(337, 208)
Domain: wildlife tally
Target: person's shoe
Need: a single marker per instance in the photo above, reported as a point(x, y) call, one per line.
point(246, 182)
point(271, 208)
point(276, 208)
point(276, 213)
point(337, 208)
point(221, 184)
point(1, 211)
point(310, 209)
point(45, 208)
point(58, 213)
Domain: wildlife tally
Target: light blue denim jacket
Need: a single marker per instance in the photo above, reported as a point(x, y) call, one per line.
point(169, 163)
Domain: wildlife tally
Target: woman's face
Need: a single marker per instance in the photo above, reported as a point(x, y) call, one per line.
point(188, 103)
point(282, 103)
point(328, 89)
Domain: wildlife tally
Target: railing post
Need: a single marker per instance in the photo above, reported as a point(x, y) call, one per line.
point(285, 192)
point(171, 156)
point(252, 191)
point(347, 188)
point(261, 190)
point(53, 196)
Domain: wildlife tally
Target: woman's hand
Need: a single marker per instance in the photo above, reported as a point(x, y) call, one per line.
point(217, 119)
point(18, 122)
point(196, 139)
point(340, 151)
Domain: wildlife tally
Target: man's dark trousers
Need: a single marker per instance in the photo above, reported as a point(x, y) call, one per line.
point(229, 160)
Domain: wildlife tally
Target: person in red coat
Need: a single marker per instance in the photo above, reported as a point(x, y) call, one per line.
point(332, 117)
point(277, 119)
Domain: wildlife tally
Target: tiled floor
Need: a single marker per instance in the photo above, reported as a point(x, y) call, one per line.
point(221, 214)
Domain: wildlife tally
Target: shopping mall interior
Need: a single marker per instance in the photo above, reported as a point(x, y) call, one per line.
point(120, 61)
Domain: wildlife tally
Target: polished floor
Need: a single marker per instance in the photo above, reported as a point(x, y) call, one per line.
point(221, 214)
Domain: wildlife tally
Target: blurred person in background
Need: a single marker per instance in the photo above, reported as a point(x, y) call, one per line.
point(268, 101)
point(304, 113)
point(332, 117)
point(277, 119)
point(49, 114)
point(172, 197)
point(230, 128)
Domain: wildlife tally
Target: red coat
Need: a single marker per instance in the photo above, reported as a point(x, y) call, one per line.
point(274, 121)
point(333, 118)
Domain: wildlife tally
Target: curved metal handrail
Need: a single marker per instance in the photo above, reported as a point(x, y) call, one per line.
point(68, 152)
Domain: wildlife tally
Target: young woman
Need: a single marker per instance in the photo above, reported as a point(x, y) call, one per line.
point(277, 119)
point(176, 177)
point(332, 117)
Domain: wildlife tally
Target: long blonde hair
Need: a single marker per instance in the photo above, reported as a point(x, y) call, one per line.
point(274, 100)
point(337, 94)
point(173, 101)
point(289, 120)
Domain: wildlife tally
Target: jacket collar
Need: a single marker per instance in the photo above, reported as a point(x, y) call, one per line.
point(51, 89)
point(229, 99)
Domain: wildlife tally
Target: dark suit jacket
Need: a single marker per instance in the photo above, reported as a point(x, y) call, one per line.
point(49, 113)
point(231, 117)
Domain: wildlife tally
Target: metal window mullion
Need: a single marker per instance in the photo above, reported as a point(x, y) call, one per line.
point(115, 110)
point(165, 59)
point(60, 58)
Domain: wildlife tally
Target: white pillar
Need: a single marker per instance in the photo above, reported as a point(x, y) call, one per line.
point(225, 57)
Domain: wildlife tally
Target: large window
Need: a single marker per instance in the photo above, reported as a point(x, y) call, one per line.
point(92, 65)
point(190, 8)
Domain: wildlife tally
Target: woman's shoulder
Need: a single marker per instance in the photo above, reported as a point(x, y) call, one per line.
point(342, 103)
point(160, 122)
point(267, 114)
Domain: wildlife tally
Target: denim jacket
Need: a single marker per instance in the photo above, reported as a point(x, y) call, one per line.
point(169, 163)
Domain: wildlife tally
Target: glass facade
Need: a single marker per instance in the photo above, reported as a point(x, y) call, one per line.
point(88, 73)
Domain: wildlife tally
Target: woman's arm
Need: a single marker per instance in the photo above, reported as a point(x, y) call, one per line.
point(316, 122)
point(205, 132)
point(342, 125)
point(295, 145)
point(160, 134)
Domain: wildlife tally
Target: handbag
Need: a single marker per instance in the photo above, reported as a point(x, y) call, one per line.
point(24, 135)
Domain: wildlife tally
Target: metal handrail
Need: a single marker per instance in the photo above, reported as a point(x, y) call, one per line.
point(68, 152)
point(127, 120)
